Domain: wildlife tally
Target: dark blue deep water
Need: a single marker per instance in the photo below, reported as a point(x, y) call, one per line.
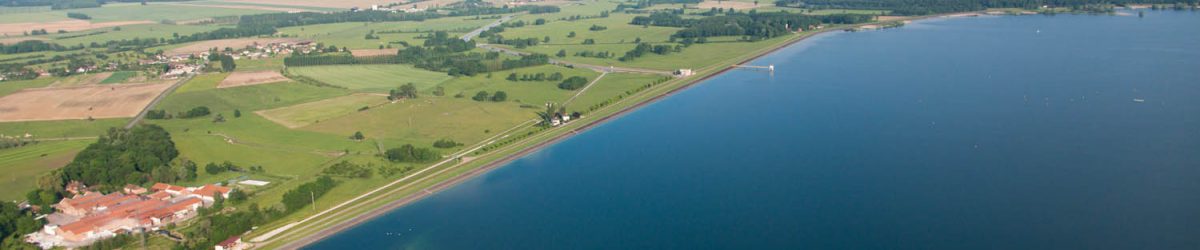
point(961, 133)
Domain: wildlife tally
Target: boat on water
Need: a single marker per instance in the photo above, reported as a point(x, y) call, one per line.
point(1139, 100)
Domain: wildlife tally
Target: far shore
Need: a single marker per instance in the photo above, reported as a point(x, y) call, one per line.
point(494, 164)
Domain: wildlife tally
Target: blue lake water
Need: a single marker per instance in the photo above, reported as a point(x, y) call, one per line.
point(956, 133)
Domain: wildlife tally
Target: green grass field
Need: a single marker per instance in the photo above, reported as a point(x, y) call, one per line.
point(250, 139)
point(535, 93)
point(63, 128)
point(118, 77)
point(23, 165)
point(270, 63)
point(142, 31)
point(201, 82)
point(8, 87)
point(353, 35)
point(424, 120)
point(314, 112)
point(609, 87)
point(373, 78)
point(247, 98)
point(130, 12)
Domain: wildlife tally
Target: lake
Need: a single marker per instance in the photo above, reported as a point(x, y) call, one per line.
point(1012, 132)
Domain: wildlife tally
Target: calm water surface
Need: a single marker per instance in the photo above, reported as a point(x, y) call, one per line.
point(965, 133)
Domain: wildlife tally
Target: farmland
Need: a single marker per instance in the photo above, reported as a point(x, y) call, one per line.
point(314, 112)
point(247, 78)
point(373, 78)
point(22, 166)
point(352, 35)
point(85, 102)
point(153, 12)
point(61, 128)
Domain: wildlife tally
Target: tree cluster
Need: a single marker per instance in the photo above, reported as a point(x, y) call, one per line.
point(499, 96)
point(349, 170)
point(303, 195)
point(123, 156)
point(79, 16)
point(446, 143)
point(409, 153)
point(556, 76)
point(14, 224)
point(573, 83)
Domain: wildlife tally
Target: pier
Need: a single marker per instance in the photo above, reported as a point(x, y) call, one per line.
point(769, 68)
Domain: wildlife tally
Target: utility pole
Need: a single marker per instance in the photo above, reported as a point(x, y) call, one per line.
point(314, 200)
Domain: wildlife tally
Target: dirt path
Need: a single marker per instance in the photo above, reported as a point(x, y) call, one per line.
point(585, 88)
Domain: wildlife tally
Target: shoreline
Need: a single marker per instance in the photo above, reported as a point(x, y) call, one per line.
point(374, 213)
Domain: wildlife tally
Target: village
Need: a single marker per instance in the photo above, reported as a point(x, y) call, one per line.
point(89, 216)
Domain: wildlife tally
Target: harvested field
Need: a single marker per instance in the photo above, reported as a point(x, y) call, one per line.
point(67, 25)
point(238, 79)
point(373, 52)
point(202, 46)
point(729, 5)
point(97, 101)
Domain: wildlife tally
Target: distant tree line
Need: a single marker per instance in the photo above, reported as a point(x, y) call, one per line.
point(752, 24)
point(929, 7)
point(79, 16)
point(349, 170)
point(483, 96)
point(303, 195)
point(412, 154)
point(32, 46)
point(338, 59)
point(573, 83)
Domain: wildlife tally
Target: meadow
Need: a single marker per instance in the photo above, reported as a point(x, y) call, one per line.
point(373, 78)
point(126, 32)
point(118, 77)
point(23, 165)
point(314, 112)
point(424, 120)
point(8, 87)
point(535, 93)
point(353, 35)
point(62, 128)
point(251, 140)
point(612, 85)
point(129, 12)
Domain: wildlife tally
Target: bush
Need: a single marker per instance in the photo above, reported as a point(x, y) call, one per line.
point(499, 96)
point(196, 112)
point(80, 16)
point(303, 195)
point(348, 170)
point(446, 143)
point(481, 96)
point(409, 153)
point(573, 83)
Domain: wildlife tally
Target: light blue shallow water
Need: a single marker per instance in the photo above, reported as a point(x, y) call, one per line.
point(965, 133)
